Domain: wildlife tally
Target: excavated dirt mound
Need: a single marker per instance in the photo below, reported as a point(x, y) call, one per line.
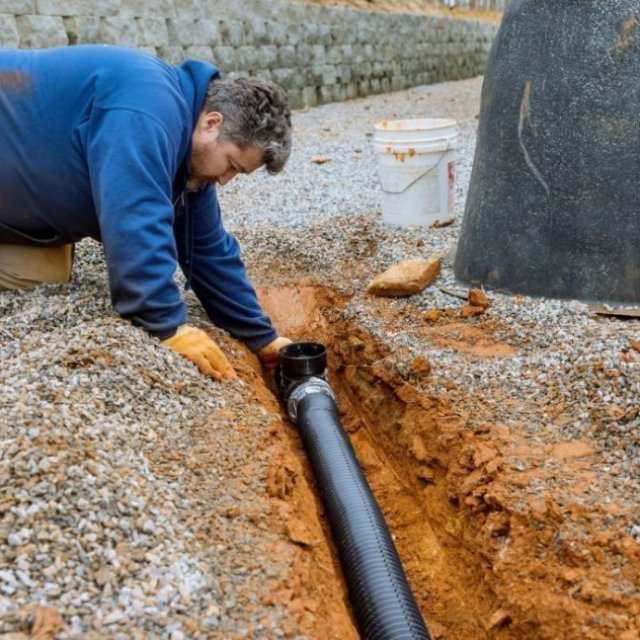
point(486, 556)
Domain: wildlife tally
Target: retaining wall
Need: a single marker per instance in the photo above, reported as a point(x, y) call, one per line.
point(318, 54)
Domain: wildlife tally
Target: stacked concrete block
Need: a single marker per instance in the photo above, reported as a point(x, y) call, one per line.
point(317, 53)
point(82, 29)
point(37, 31)
point(9, 35)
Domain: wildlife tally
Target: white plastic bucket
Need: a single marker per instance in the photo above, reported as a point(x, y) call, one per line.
point(415, 161)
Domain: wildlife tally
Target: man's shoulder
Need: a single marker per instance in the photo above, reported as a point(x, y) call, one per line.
point(131, 68)
point(135, 80)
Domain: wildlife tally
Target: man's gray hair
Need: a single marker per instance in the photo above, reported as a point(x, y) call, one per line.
point(256, 114)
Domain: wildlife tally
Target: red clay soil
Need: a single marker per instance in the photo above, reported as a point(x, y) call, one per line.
point(484, 558)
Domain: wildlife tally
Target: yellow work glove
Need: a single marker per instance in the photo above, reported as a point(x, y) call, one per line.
point(195, 345)
point(270, 354)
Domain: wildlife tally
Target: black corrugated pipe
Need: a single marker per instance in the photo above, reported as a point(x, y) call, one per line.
point(384, 605)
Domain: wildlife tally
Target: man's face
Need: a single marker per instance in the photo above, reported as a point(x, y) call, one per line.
point(216, 161)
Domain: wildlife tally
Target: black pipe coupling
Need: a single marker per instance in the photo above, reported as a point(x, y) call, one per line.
point(302, 371)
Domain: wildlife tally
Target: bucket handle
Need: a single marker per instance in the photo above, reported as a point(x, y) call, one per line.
point(422, 175)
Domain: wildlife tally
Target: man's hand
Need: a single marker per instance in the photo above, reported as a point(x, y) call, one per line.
point(195, 345)
point(270, 354)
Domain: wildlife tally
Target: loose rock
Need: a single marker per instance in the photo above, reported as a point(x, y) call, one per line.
point(406, 278)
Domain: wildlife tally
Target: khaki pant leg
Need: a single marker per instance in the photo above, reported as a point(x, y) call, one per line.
point(27, 267)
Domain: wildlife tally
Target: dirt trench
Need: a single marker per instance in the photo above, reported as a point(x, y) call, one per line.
point(483, 561)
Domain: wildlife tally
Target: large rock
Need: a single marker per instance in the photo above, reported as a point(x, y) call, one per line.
point(405, 278)
point(554, 201)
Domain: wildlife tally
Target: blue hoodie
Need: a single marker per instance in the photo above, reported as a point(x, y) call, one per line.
point(96, 141)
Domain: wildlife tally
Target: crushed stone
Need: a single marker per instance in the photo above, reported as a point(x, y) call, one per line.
point(119, 467)
point(131, 486)
point(571, 375)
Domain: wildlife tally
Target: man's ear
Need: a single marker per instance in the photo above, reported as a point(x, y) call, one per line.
point(212, 120)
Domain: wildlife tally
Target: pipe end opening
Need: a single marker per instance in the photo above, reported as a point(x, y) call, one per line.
point(303, 359)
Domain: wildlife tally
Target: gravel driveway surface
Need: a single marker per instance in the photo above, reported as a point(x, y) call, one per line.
point(132, 488)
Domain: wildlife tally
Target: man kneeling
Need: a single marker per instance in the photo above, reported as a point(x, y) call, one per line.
point(116, 145)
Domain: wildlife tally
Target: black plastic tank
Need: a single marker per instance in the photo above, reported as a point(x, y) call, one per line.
point(553, 207)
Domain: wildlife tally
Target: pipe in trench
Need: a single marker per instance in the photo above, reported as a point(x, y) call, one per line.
point(384, 605)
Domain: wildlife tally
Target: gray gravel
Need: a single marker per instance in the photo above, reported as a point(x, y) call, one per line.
point(325, 220)
point(115, 455)
point(131, 496)
point(313, 216)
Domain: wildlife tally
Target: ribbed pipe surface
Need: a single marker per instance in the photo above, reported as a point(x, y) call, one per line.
point(382, 599)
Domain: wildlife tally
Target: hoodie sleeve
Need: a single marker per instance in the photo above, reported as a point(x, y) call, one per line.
point(131, 162)
point(210, 259)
